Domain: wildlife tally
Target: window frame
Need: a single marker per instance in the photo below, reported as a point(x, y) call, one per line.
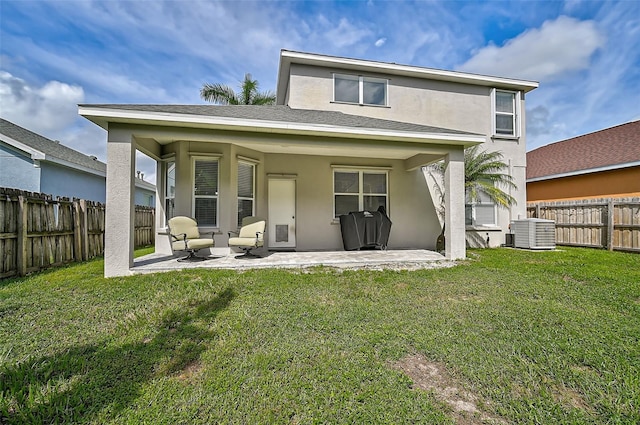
point(361, 195)
point(515, 114)
point(166, 195)
point(361, 80)
point(474, 223)
point(195, 159)
point(484, 201)
point(253, 190)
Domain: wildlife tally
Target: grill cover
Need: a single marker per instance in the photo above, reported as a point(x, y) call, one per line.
point(365, 229)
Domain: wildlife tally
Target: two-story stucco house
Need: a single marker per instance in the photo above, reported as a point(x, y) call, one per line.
point(345, 135)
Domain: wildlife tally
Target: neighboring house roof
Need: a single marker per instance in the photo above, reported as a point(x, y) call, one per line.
point(287, 57)
point(41, 148)
point(612, 148)
point(262, 118)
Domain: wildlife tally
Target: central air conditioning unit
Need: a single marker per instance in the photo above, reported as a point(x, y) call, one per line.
point(534, 233)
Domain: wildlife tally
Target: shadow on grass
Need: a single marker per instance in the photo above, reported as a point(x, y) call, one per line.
point(77, 384)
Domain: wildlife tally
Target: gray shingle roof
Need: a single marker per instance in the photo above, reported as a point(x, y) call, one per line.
point(48, 146)
point(283, 113)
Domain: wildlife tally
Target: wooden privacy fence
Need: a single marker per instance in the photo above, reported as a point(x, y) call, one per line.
point(37, 231)
point(612, 223)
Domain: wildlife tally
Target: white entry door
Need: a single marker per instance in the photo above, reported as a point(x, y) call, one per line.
point(281, 230)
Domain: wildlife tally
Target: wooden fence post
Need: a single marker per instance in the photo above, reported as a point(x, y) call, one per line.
point(85, 230)
point(77, 231)
point(610, 210)
point(22, 231)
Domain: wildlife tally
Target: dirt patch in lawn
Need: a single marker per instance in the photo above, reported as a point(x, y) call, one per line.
point(433, 377)
point(190, 371)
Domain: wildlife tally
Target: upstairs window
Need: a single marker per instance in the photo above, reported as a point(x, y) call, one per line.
point(360, 90)
point(505, 108)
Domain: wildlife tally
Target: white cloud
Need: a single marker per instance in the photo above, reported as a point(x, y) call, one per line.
point(547, 53)
point(46, 110)
point(51, 111)
point(345, 34)
point(598, 97)
point(380, 42)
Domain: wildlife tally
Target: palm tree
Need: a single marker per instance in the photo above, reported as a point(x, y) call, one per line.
point(484, 174)
point(248, 94)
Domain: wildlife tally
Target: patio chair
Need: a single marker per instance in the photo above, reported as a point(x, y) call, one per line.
point(250, 236)
point(185, 236)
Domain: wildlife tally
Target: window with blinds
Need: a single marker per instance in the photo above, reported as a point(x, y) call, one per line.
point(246, 190)
point(480, 213)
point(205, 192)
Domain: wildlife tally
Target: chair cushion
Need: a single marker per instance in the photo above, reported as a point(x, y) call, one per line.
point(245, 242)
point(193, 244)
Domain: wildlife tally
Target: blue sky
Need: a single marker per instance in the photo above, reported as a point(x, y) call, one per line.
point(56, 54)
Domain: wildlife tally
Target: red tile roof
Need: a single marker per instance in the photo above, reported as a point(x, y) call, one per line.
point(609, 147)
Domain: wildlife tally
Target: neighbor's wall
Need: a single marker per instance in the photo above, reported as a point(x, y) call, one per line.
point(17, 170)
point(606, 184)
point(145, 197)
point(63, 181)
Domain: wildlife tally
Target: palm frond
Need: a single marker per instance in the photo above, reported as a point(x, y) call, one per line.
point(485, 175)
point(248, 89)
point(219, 93)
point(248, 94)
point(264, 98)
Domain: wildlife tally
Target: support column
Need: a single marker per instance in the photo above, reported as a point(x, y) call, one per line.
point(120, 209)
point(454, 196)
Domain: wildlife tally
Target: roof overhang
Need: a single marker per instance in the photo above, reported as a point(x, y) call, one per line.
point(583, 172)
point(104, 116)
point(288, 57)
point(35, 154)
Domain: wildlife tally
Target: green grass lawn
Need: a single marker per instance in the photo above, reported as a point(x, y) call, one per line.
point(528, 337)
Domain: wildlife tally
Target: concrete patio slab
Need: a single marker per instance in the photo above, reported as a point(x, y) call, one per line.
point(366, 259)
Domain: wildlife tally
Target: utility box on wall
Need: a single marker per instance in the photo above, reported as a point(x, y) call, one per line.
point(534, 233)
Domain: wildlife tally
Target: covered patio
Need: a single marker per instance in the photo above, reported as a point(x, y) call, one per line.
point(296, 158)
point(222, 258)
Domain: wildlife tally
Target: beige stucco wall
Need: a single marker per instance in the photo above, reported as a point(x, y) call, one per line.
point(415, 224)
point(442, 104)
